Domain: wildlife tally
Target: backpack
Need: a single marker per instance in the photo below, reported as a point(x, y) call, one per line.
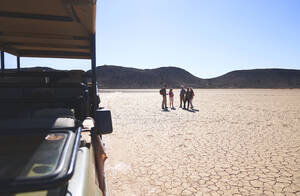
point(161, 91)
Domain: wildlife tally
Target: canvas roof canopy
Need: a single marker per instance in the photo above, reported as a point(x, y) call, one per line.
point(48, 28)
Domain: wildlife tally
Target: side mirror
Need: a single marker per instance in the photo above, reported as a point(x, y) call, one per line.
point(103, 123)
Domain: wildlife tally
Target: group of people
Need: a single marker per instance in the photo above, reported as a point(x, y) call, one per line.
point(186, 96)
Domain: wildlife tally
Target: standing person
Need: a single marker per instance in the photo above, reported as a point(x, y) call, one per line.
point(182, 94)
point(171, 97)
point(187, 98)
point(163, 92)
point(192, 97)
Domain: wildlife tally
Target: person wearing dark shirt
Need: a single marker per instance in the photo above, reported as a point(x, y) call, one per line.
point(188, 96)
point(164, 95)
point(182, 94)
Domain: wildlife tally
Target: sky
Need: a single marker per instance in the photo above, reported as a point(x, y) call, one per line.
point(208, 38)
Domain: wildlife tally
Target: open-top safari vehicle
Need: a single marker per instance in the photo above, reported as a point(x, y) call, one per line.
point(44, 147)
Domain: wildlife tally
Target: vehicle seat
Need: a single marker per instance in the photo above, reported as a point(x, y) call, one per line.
point(54, 118)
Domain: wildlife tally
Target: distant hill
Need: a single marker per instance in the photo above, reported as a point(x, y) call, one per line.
point(123, 77)
point(257, 78)
point(110, 76)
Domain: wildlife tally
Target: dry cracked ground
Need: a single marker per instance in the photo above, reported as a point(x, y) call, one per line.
point(238, 142)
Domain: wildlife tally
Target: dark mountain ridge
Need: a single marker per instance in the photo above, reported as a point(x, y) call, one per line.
point(258, 78)
point(123, 77)
point(110, 76)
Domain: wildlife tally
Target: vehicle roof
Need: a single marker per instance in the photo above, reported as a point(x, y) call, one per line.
point(48, 28)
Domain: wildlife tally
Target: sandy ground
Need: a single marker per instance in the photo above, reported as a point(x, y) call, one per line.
point(243, 142)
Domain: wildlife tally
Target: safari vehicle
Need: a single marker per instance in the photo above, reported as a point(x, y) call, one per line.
point(44, 147)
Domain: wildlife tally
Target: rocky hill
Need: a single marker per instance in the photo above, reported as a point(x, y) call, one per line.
point(123, 77)
point(257, 78)
point(110, 76)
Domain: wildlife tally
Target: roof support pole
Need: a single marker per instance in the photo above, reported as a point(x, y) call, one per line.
point(2, 61)
point(18, 63)
point(93, 58)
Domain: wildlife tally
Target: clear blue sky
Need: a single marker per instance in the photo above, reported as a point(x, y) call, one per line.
point(206, 37)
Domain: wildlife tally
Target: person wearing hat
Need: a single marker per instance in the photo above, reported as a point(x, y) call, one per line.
point(182, 95)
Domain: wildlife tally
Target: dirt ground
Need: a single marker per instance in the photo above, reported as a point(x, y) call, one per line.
point(243, 142)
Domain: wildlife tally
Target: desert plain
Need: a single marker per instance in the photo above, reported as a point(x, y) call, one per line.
point(236, 142)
